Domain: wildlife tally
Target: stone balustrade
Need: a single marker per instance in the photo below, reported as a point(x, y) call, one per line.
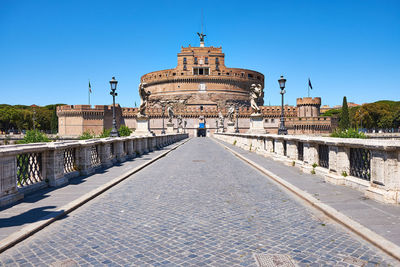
point(369, 165)
point(26, 168)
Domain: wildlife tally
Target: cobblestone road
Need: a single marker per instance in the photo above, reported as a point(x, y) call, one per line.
point(197, 206)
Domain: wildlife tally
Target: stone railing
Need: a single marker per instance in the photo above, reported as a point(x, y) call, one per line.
point(26, 168)
point(371, 166)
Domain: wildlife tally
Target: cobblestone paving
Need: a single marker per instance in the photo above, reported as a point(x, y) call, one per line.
point(197, 206)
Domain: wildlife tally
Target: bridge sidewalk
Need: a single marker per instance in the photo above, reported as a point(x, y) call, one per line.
point(48, 203)
point(383, 219)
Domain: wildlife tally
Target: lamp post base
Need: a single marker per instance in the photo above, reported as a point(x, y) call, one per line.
point(282, 131)
point(114, 133)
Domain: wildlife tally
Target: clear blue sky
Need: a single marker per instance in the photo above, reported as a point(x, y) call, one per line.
point(49, 49)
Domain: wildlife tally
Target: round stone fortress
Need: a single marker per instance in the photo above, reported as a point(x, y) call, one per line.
point(201, 79)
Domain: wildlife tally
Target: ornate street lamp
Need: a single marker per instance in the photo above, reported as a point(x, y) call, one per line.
point(237, 119)
point(282, 129)
point(114, 131)
point(163, 114)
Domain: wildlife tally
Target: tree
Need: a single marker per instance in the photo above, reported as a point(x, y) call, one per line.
point(54, 121)
point(34, 136)
point(344, 122)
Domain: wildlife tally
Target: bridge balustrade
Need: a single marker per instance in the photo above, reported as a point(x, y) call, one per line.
point(29, 167)
point(369, 165)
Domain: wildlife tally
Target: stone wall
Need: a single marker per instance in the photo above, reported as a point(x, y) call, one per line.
point(371, 166)
point(26, 168)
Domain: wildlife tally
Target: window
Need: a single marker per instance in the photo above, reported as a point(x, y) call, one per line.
point(206, 60)
point(216, 60)
point(195, 60)
point(272, 120)
point(201, 108)
point(201, 71)
point(184, 67)
point(202, 87)
point(250, 75)
point(184, 60)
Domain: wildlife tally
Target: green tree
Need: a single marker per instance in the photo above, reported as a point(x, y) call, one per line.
point(54, 121)
point(124, 131)
point(344, 122)
point(34, 136)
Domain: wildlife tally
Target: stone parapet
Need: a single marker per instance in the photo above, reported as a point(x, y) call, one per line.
point(369, 165)
point(28, 167)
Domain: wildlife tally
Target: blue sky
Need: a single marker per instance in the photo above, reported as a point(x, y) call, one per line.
point(49, 49)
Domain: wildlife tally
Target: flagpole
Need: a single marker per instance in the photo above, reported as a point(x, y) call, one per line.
point(89, 93)
point(308, 83)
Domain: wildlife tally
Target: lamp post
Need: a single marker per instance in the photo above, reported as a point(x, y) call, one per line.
point(237, 119)
point(282, 129)
point(113, 84)
point(163, 114)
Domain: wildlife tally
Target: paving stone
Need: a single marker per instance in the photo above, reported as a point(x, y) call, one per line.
point(216, 211)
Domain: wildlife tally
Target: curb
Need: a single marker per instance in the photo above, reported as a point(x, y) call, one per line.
point(367, 234)
point(35, 227)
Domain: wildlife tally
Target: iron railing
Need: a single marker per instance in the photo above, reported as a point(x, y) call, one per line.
point(323, 155)
point(300, 151)
point(284, 148)
point(360, 163)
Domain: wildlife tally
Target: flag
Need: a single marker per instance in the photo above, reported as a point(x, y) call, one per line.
point(309, 83)
point(90, 88)
point(135, 104)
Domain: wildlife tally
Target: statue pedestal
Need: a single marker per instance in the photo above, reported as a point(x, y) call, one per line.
point(142, 127)
point(180, 130)
point(231, 127)
point(220, 128)
point(256, 124)
point(170, 127)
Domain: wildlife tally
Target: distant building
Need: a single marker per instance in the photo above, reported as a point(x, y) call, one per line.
point(198, 89)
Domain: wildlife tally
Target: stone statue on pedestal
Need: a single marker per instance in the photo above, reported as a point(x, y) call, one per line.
point(255, 94)
point(230, 114)
point(170, 114)
point(179, 121)
point(221, 118)
point(144, 97)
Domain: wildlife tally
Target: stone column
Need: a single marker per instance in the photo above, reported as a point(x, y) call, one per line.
point(385, 177)
point(105, 155)
point(310, 153)
point(8, 180)
point(256, 124)
point(130, 148)
point(119, 151)
point(291, 149)
point(279, 147)
point(53, 163)
point(339, 164)
point(84, 160)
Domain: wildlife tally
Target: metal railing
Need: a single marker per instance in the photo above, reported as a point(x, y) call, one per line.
point(323, 156)
point(360, 163)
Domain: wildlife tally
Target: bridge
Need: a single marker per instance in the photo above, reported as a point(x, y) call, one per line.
point(228, 200)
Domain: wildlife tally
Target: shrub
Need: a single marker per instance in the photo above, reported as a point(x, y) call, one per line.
point(105, 133)
point(344, 174)
point(234, 143)
point(293, 163)
point(314, 165)
point(349, 133)
point(34, 136)
point(87, 135)
point(124, 131)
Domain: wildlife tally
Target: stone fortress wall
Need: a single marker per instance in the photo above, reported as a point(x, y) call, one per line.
point(198, 89)
point(201, 78)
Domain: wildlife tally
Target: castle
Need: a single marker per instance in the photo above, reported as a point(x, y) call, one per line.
point(198, 89)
